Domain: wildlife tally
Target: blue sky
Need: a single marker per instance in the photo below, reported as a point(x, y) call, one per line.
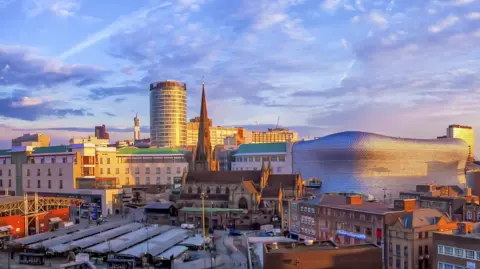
point(403, 68)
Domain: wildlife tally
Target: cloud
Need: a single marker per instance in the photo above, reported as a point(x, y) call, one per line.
point(100, 93)
point(453, 2)
point(344, 43)
point(64, 8)
point(360, 6)
point(444, 24)
point(109, 114)
point(23, 107)
point(331, 5)
point(378, 19)
point(473, 16)
point(59, 8)
point(22, 66)
point(355, 19)
point(128, 70)
point(123, 23)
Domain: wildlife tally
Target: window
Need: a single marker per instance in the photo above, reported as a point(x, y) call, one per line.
point(101, 170)
point(257, 158)
point(459, 252)
point(28, 172)
point(448, 251)
point(60, 184)
point(420, 250)
point(9, 183)
point(49, 172)
point(217, 190)
point(101, 160)
point(281, 158)
point(397, 250)
point(169, 170)
point(49, 184)
point(250, 159)
point(60, 172)
point(169, 180)
point(357, 228)
point(440, 249)
point(137, 170)
point(469, 215)
point(53, 160)
point(42, 160)
point(137, 180)
point(157, 170)
point(426, 234)
point(28, 183)
point(405, 264)
point(1, 183)
point(398, 263)
point(117, 171)
point(108, 160)
point(368, 231)
point(405, 251)
point(178, 170)
point(39, 185)
point(279, 169)
point(108, 171)
point(189, 189)
point(127, 171)
point(64, 159)
point(426, 250)
point(147, 170)
point(362, 217)
point(158, 180)
point(148, 180)
point(1, 173)
point(470, 254)
point(420, 235)
point(390, 260)
point(9, 172)
point(127, 181)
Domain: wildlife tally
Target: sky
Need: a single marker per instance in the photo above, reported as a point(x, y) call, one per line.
point(405, 68)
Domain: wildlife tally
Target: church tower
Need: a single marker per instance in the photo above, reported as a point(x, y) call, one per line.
point(136, 128)
point(204, 159)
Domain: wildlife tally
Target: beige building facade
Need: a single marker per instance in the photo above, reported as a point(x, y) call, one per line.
point(467, 134)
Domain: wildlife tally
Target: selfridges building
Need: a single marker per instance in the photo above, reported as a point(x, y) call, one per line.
point(379, 165)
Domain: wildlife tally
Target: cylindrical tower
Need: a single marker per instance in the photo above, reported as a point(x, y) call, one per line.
point(168, 114)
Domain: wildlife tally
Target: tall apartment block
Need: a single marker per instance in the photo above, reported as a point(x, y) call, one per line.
point(101, 132)
point(95, 174)
point(168, 114)
point(467, 134)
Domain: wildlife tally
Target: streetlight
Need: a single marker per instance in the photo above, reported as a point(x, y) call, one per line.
point(203, 218)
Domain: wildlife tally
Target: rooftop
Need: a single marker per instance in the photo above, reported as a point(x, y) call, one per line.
point(52, 149)
point(148, 151)
point(211, 209)
point(262, 148)
point(299, 247)
point(378, 208)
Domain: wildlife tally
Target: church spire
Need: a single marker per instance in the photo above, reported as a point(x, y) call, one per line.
point(203, 156)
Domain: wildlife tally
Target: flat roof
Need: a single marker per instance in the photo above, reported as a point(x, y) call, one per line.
point(301, 247)
point(377, 208)
point(196, 241)
point(156, 245)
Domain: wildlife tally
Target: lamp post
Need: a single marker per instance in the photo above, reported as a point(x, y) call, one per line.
point(203, 218)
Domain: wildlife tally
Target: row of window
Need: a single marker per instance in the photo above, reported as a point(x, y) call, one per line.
point(279, 169)
point(275, 158)
point(308, 231)
point(49, 184)
point(442, 265)
point(158, 170)
point(9, 183)
point(397, 263)
point(208, 190)
point(469, 216)
point(32, 160)
point(9, 172)
point(49, 172)
point(459, 252)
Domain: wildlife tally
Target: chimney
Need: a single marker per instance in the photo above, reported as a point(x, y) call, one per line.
point(468, 192)
point(354, 200)
point(407, 205)
point(465, 228)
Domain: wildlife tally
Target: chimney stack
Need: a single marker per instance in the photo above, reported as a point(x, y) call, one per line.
point(407, 205)
point(354, 200)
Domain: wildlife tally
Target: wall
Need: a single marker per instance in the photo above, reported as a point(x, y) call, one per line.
point(6, 178)
point(370, 258)
point(18, 222)
point(254, 162)
point(60, 171)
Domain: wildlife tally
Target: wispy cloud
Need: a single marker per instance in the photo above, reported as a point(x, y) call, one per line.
point(331, 5)
point(378, 19)
point(454, 2)
point(444, 24)
point(121, 24)
point(473, 16)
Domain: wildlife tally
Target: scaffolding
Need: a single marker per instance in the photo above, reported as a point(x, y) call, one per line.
point(32, 207)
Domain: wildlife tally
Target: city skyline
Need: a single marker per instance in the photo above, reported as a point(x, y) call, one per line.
point(338, 65)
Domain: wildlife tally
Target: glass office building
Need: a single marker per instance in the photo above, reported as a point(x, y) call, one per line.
point(168, 114)
point(380, 165)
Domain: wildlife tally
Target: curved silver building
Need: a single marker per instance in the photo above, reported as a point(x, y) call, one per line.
point(168, 114)
point(380, 165)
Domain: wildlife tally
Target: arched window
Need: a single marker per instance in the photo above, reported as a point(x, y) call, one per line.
point(242, 203)
point(199, 190)
point(208, 189)
point(189, 189)
point(227, 191)
point(217, 191)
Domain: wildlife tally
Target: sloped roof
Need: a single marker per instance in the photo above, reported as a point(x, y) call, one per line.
point(250, 186)
point(421, 217)
point(159, 205)
point(286, 181)
point(223, 177)
point(146, 151)
point(262, 148)
point(52, 149)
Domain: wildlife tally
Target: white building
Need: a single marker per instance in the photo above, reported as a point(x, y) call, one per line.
point(251, 156)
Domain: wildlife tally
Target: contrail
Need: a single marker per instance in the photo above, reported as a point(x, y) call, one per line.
point(118, 25)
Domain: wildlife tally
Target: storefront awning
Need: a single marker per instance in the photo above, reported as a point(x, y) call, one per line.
point(55, 220)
